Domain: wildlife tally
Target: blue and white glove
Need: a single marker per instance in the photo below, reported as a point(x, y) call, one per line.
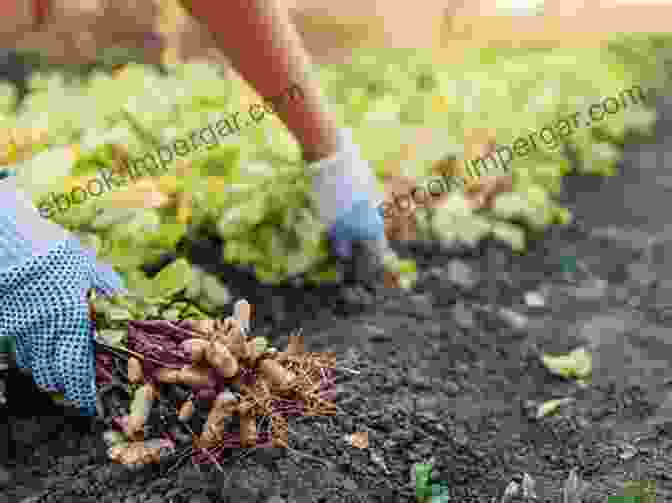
point(347, 195)
point(45, 277)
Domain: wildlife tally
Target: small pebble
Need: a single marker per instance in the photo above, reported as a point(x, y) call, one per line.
point(172, 494)
point(514, 319)
point(461, 274)
point(534, 299)
point(451, 388)
point(620, 294)
point(422, 305)
point(592, 290)
point(628, 452)
point(356, 296)
point(463, 316)
point(642, 274)
point(5, 477)
point(350, 484)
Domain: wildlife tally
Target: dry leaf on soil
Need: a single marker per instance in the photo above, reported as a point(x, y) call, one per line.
point(359, 439)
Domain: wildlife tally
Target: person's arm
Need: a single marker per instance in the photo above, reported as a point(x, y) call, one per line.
point(263, 46)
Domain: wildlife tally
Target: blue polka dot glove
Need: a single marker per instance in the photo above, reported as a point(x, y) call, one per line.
point(347, 195)
point(45, 277)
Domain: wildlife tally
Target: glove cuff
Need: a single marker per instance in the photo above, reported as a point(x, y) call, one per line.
point(346, 149)
point(347, 164)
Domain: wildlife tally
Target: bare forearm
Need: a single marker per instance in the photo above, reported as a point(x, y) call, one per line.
point(262, 44)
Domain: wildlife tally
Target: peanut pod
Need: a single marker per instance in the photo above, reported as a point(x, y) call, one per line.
point(279, 377)
point(197, 377)
point(254, 350)
point(196, 349)
point(186, 411)
point(135, 373)
point(141, 406)
point(224, 407)
point(205, 328)
point(295, 347)
point(279, 431)
point(168, 376)
point(219, 356)
point(234, 340)
point(248, 431)
point(137, 454)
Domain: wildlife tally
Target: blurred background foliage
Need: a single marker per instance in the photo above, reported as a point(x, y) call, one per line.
point(413, 110)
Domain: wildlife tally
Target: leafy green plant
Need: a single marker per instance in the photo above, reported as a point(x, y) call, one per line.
point(251, 190)
point(427, 491)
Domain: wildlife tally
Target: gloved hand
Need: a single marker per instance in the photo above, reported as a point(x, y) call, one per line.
point(45, 277)
point(347, 196)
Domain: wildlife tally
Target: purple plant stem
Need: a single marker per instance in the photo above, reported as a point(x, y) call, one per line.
point(164, 328)
point(103, 376)
point(328, 384)
point(120, 422)
point(289, 407)
point(231, 441)
point(329, 396)
point(248, 376)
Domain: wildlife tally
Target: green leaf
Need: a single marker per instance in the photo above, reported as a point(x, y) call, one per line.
point(193, 313)
point(512, 235)
point(550, 407)
point(115, 314)
point(222, 161)
point(510, 206)
point(407, 266)
point(173, 278)
point(137, 282)
point(422, 477)
point(577, 364)
point(624, 499)
point(214, 291)
point(171, 314)
point(91, 241)
point(168, 235)
point(138, 404)
point(261, 344)
point(113, 337)
point(114, 216)
point(406, 282)
point(140, 229)
point(439, 493)
point(568, 264)
point(328, 275)
point(645, 490)
point(115, 438)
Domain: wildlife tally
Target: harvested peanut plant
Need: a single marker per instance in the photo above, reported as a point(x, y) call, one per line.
point(208, 376)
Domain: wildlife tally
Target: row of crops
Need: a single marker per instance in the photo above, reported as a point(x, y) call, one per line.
point(251, 190)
